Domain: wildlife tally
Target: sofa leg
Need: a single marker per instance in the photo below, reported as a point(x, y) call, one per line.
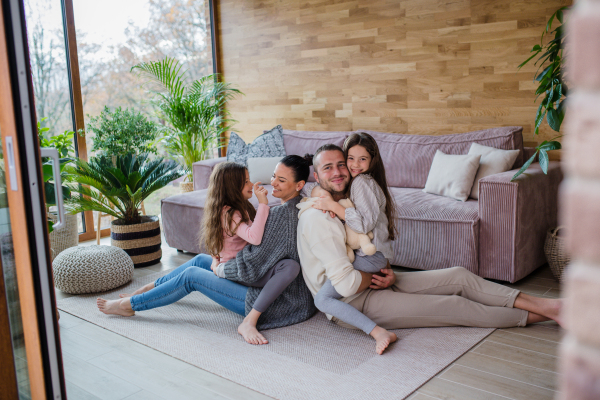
point(179, 251)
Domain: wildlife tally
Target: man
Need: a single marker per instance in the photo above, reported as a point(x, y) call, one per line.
point(448, 297)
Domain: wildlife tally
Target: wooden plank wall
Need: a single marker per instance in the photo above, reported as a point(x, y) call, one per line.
point(418, 66)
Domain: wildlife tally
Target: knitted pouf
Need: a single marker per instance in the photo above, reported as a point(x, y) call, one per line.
point(91, 269)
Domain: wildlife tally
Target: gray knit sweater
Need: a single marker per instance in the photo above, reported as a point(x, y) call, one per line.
point(296, 303)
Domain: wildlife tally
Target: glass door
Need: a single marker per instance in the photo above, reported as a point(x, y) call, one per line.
point(30, 349)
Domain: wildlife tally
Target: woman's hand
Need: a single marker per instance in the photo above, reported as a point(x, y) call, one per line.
point(385, 281)
point(261, 193)
point(214, 265)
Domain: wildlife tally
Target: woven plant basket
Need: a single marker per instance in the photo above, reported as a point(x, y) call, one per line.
point(555, 249)
point(186, 187)
point(65, 237)
point(140, 241)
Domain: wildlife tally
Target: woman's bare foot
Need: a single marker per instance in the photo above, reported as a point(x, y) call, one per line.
point(383, 338)
point(141, 290)
point(250, 333)
point(116, 307)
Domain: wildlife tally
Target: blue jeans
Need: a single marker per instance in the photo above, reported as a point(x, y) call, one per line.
point(194, 275)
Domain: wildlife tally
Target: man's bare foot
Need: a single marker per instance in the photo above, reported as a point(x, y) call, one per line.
point(383, 338)
point(141, 290)
point(554, 311)
point(116, 307)
point(251, 334)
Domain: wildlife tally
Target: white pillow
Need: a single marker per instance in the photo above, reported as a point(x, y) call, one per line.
point(493, 161)
point(452, 175)
point(261, 169)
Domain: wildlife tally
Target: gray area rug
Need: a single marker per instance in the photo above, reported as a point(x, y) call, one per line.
point(312, 360)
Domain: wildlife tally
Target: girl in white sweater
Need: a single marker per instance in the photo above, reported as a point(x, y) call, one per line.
point(372, 212)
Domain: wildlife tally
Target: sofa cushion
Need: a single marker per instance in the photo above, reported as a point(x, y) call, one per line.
point(305, 142)
point(261, 169)
point(407, 158)
point(493, 161)
point(452, 175)
point(435, 232)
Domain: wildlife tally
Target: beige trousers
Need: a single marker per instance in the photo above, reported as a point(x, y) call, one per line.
point(446, 297)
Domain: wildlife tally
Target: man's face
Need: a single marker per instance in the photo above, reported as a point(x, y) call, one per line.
point(331, 172)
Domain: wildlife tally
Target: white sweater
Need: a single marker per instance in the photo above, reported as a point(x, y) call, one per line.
point(322, 250)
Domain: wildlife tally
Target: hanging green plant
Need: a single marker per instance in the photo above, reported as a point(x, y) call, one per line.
point(552, 85)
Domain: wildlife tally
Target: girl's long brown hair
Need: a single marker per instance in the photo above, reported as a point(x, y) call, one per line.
point(224, 189)
point(377, 171)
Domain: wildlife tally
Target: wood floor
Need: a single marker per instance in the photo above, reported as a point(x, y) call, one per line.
point(516, 363)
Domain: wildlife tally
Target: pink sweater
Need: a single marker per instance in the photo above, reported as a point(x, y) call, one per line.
point(246, 233)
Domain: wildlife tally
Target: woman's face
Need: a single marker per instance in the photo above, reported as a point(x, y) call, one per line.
point(284, 186)
point(247, 189)
point(359, 160)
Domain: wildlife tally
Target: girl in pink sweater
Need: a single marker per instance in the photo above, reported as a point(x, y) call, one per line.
point(228, 224)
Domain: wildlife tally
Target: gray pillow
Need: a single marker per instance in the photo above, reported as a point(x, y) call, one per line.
point(269, 144)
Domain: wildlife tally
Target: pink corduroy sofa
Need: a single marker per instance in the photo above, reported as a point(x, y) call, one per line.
point(500, 236)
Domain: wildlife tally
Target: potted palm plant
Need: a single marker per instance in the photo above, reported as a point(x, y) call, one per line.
point(196, 114)
point(117, 185)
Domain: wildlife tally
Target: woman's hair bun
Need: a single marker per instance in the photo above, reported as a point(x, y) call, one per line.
point(309, 158)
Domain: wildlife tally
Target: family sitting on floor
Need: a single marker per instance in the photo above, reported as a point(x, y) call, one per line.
point(255, 257)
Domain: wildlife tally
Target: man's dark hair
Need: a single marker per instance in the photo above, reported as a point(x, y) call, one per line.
point(325, 147)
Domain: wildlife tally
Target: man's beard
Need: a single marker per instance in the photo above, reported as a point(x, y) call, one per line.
point(334, 193)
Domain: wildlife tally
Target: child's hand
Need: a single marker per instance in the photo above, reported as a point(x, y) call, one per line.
point(325, 203)
point(261, 193)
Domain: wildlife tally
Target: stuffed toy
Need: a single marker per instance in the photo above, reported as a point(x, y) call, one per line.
point(354, 240)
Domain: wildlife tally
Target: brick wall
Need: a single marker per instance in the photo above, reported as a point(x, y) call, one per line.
point(580, 197)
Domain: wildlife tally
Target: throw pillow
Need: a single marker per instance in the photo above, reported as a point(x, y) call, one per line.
point(493, 161)
point(261, 168)
point(269, 144)
point(237, 150)
point(452, 175)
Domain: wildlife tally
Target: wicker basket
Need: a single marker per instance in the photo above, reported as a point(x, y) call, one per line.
point(186, 187)
point(141, 241)
point(555, 249)
point(65, 237)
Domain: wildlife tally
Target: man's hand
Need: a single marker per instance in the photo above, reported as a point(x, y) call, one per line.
point(385, 281)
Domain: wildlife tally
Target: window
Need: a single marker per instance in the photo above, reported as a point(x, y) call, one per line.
point(111, 37)
point(110, 43)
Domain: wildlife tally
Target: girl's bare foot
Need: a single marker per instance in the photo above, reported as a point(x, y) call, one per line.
point(383, 338)
point(116, 307)
point(250, 333)
point(141, 290)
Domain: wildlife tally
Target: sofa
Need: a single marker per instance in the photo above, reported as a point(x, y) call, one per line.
point(500, 236)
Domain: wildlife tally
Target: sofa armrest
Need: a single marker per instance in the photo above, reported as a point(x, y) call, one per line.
point(514, 218)
point(201, 171)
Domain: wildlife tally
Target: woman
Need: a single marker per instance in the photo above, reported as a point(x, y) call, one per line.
point(252, 264)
